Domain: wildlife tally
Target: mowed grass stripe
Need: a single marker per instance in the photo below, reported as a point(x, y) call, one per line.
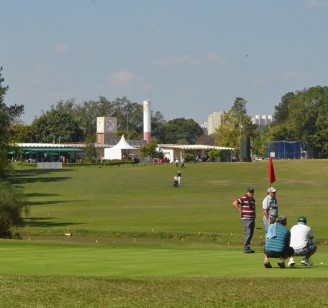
point(73, 259)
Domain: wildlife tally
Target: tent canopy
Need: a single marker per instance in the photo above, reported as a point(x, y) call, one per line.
point(116, 151)
point(123, 145)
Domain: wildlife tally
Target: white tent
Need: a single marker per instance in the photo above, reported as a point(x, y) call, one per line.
point(121, 150)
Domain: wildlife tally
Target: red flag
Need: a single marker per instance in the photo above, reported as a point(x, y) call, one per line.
point(272, 177)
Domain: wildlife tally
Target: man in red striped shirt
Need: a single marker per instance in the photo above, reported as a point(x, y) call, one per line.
point(245, 205)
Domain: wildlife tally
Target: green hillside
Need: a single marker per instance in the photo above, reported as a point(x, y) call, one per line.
point(139, 201)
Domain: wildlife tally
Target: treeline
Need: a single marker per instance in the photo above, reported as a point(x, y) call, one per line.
point(69, 121)
point(300, 115)
point(12, 201)
point(303, 116)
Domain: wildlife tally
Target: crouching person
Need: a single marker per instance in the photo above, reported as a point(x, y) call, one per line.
point(175, 181)
point(302, 241)
point(277, 243)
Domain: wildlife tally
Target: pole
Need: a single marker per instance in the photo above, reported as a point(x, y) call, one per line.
point(59, 149)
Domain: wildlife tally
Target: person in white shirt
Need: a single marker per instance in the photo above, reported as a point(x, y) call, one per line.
point(302, 241)
point(270, 208)
point(179, 177)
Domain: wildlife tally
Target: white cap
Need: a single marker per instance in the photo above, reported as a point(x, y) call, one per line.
point(271, 189)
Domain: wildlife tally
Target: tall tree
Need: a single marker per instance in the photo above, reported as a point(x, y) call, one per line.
point(157, 125)
point(7, 116)
point(303, 116)
point(12, 202)
point(132, 113)
point(235, 125)
point(181, 131)
point(57, 126)
point(12, 206)
point(19, 132)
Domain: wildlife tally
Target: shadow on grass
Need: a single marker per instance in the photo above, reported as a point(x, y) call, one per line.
point(31, 176)
point(22, 181)
point(29, 203)
point(47, 222)
point(31, 195)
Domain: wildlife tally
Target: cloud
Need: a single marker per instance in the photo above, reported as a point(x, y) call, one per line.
point(61, 48)
point(182, 60)
point(316, 4)
point(216, 58)
point(123, 78)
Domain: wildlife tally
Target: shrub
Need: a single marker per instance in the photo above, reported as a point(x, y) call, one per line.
point(12, 205)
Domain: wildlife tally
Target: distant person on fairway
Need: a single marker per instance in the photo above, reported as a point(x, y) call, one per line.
point(302, 241)
point(245, 205)
point(179, 177)
point(270, 208)
point(175, 181)
point(182, 162)
point(277, 243)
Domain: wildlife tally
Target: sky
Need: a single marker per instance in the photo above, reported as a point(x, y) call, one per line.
point(189, 57)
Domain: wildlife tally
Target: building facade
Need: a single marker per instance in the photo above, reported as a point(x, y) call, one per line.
point(214, 121)
point(262, 119)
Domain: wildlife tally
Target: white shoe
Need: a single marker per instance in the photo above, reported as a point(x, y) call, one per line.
point(307, 262)
point(291, 262)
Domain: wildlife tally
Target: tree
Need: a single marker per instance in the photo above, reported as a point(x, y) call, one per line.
point(228, 133)
point(90, 152)
point(157, 125)
point(279, 128)
point(56, 126)
point(7, 116)
point(235, 125)
point(12, 205)
point(21, 133)
point(133, 113)
point(12, 202)
point(282, 110)
point(214, 154)
point(303, 116)
point(206, 139)
point(150, 150)
point(181, 131)
point(129, 120)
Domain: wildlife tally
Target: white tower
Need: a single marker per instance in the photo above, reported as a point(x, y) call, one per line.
point(147, 120)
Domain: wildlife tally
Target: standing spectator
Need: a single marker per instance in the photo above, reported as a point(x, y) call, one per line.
point(177, 162)
point(302, 241)
point(175, 181)
point(270, 208)
point(245, 205)
point(182, 162)
point(277, 243)
point(179, 177)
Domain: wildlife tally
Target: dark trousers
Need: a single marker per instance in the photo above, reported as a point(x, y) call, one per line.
point(288, 252)
point(249, 226)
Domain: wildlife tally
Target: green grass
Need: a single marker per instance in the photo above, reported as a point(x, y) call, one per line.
point(144, 259)
point(140, 200)
point(139, 242)
point(49, 291)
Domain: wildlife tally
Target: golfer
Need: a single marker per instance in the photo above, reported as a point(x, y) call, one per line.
point(277, 244)
point(303, 242)
point(245, 205)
